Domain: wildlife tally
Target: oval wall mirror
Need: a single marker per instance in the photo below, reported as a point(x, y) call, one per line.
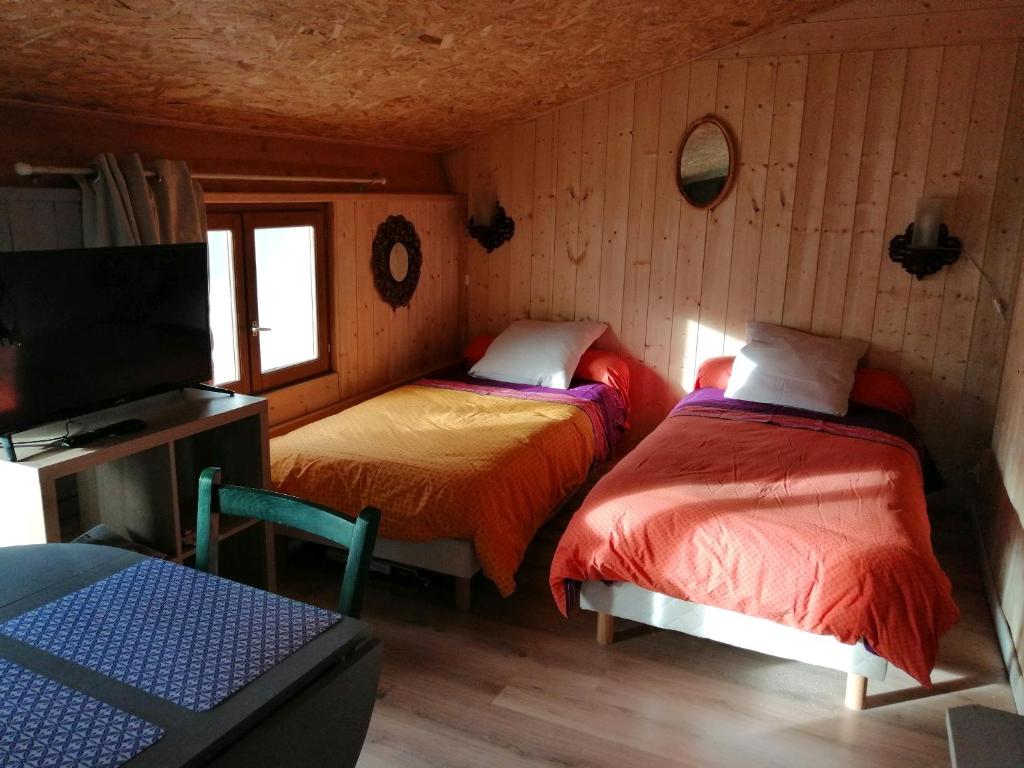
point(399, 262)
point(707, 162)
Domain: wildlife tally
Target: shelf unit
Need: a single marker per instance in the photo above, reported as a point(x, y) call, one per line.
point(144, 485)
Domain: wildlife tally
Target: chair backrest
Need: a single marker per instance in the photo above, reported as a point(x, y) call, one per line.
point(357, 536)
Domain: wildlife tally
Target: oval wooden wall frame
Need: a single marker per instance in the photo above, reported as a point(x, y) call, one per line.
point(393, 230)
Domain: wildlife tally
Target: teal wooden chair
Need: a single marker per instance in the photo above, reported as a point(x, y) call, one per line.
point(357, 536)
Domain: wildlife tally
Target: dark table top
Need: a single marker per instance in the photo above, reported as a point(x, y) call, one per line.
point(31, 576)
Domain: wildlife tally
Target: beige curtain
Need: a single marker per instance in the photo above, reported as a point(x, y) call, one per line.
point(120, 206)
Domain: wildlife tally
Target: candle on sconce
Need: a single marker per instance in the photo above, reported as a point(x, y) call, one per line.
point(927, 221)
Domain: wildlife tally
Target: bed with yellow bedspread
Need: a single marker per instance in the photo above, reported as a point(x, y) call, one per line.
point(482, 462)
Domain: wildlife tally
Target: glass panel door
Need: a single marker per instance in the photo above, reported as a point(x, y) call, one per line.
point(286, 295)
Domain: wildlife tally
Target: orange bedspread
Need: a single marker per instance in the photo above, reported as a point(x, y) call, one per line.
point(821, 532)
point(444, 464)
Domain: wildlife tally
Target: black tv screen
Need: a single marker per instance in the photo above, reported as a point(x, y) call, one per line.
point(84, 329)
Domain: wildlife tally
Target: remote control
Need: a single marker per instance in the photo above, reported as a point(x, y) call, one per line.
point(125, 427)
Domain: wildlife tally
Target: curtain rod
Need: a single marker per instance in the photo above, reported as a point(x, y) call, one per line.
point(26, 169)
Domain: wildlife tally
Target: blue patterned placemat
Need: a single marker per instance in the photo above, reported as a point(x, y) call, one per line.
point(180, 634)
point(43, 723)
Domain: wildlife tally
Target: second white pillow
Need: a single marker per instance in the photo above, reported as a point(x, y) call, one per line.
point(787, 367)
point(537, 352)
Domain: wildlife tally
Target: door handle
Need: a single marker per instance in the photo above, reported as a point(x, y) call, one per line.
point(256, 328)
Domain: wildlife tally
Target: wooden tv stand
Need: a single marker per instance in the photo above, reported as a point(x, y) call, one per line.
point(143, 485)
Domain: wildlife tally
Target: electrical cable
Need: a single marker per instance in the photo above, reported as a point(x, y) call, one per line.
point(45, 441)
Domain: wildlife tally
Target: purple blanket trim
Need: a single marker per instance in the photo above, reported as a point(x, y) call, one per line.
point(607, 398)
point(601, 403)
point(861, 422)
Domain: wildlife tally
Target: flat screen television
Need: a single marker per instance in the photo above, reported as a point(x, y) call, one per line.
point(85, 329)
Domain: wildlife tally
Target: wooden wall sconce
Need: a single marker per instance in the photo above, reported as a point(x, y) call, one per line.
point(926, 246)
point(497, 233)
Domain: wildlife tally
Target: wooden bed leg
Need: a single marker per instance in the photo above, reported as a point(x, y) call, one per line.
point(856, 688)
point(463, 592)
point(605, 628)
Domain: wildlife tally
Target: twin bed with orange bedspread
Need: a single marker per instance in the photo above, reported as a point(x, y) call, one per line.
point(813, 522)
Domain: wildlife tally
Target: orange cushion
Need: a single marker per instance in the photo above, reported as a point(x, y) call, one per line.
point(476, 349)
point(598, 365)
point(881, 389)
point(605, 367)
point(714, 373)
point(871, 386)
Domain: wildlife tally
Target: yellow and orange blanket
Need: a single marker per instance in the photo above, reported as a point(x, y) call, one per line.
point(449, 460)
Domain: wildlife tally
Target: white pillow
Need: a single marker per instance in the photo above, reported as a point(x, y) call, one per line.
point(782, 366)
point(537, 352)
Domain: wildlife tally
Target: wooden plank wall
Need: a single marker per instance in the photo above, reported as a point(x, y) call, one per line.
point(837, 142)
point(1008, 441)
point(1001, 515)
point(373, 345)
point(64, 136)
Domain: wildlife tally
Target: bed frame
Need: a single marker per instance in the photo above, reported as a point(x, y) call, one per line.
point(628, 601)
point(453, 557)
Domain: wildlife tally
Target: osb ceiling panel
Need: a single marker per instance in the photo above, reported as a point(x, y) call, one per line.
point(420, 73)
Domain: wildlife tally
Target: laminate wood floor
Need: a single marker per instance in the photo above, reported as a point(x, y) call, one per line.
point(514, 684)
